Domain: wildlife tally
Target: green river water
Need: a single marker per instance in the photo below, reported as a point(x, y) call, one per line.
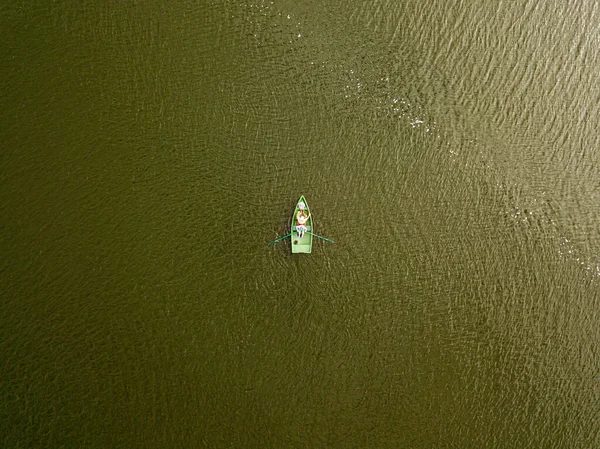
point(151, 150)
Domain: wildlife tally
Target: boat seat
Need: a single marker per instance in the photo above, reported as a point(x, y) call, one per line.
point(308, 228)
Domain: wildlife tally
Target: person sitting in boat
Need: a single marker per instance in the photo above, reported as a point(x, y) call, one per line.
point(301, 219)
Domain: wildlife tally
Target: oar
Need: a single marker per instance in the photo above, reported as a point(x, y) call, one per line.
point(327, 240)
point(280, 238)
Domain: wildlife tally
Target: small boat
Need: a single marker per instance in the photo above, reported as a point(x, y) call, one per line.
point(301, 244)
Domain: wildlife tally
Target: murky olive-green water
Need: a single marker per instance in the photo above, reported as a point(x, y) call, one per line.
point(151, 151)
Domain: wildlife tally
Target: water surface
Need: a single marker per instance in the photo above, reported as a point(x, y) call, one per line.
point(151, 152)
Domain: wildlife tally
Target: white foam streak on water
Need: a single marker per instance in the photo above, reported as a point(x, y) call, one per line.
point(531, 206)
